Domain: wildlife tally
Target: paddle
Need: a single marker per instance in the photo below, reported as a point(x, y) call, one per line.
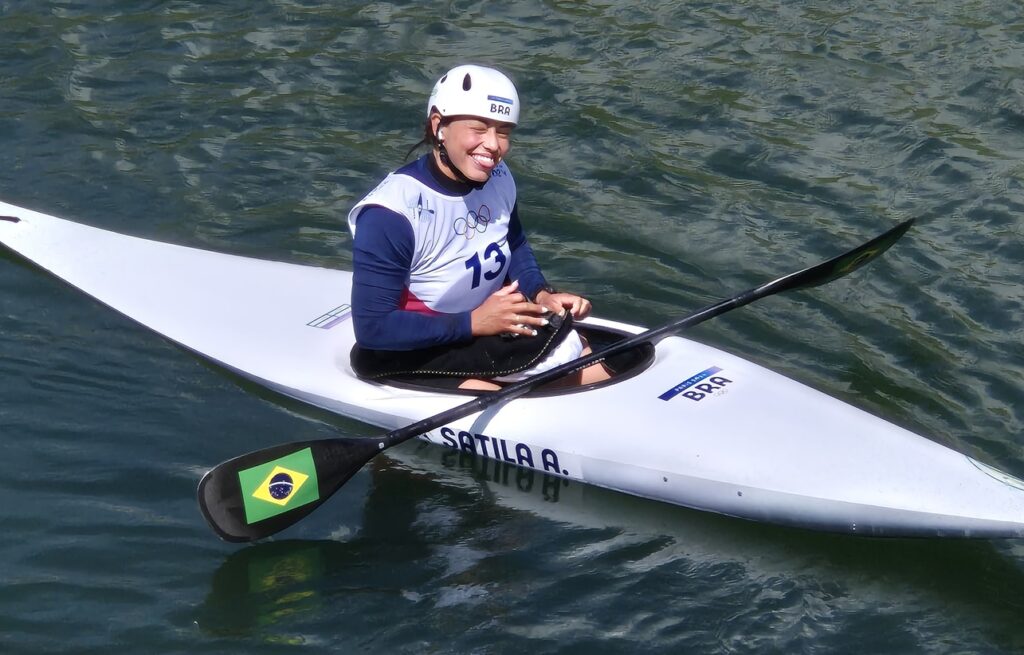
point(261, 493)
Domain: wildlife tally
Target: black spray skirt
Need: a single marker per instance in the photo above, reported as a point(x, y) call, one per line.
point(446, 366)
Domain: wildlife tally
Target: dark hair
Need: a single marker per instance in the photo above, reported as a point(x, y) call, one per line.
point(429, 137)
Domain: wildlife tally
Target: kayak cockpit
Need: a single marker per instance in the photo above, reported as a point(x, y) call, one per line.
point(622, 365)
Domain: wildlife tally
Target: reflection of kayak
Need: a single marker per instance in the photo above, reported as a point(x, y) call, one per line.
point(615, 520)
point(683, 423)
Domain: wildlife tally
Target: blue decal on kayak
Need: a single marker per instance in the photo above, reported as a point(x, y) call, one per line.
point(331, 318)
point(689, 382)
point(13, 219)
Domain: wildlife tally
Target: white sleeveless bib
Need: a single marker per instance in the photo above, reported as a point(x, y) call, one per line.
point(461, 251)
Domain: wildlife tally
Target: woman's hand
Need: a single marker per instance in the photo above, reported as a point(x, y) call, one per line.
point(578, 306)
point(508, 311)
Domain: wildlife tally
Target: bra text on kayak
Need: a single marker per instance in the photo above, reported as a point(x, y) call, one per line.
point(698, 387)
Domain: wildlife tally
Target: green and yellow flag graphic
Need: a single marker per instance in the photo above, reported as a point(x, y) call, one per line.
point(279, 486)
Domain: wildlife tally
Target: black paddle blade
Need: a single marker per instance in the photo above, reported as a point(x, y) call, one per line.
point(837, 267)
point(263, 492)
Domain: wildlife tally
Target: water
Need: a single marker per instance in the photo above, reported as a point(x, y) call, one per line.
point(671, 154)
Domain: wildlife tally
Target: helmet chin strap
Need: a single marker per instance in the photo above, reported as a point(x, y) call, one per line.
point(447, 161)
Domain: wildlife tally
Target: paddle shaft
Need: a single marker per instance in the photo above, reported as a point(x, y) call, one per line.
point(809, 277)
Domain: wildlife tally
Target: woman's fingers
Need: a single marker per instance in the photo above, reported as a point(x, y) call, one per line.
point(508, 311)
point(508, 290)
point(581, 309)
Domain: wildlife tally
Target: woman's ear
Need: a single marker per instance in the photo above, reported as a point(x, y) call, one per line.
point(435, 126)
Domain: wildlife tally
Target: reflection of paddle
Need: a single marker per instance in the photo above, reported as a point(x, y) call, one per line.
point(260, 493)
point(256, 588)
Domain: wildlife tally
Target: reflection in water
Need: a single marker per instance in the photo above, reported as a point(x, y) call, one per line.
point(259, 588)
point(444, 531)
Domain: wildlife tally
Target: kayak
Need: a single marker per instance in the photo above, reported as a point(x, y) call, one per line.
point(680, 422)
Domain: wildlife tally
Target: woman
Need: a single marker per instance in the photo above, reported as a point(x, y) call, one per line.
point(445, 285)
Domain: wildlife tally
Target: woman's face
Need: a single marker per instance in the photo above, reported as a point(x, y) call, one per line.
point(475, 145)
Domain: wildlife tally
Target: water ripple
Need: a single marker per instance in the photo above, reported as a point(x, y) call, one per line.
point(670, 154)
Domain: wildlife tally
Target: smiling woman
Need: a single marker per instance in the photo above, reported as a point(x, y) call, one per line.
point(446, 288)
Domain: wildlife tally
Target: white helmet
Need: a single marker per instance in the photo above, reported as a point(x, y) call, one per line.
point(470, 90)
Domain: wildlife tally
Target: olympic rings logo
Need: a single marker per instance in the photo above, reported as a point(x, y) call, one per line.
point(475, 223)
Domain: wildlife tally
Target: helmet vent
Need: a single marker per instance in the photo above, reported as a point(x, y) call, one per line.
point(467, 82)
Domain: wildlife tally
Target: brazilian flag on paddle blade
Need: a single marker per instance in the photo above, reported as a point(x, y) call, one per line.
point(279, 486)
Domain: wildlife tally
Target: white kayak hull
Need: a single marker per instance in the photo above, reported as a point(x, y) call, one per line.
point(698, 427)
